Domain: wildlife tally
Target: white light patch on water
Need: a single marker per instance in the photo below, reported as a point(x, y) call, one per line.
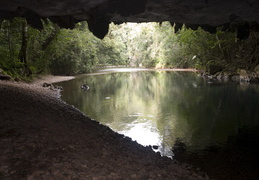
point(143, 133)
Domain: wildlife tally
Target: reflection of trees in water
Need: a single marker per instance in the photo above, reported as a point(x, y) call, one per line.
point(210, 114)
point(181, 106)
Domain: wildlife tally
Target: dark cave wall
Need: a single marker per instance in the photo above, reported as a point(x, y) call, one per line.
point(232, 14)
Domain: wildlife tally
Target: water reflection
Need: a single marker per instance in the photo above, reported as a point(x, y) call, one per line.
point(166, 108)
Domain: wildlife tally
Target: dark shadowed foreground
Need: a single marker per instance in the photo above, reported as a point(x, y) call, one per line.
point(41, 137)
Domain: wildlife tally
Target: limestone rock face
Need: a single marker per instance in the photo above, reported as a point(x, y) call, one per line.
point(99, 13)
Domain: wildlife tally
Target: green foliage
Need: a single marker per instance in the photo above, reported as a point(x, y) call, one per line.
point(207, 48)
point(158, 45)
point(10, 39)
point(11, 33)
point(38, 44)
point(73, 51)
point(55, 50)
point(66, 52)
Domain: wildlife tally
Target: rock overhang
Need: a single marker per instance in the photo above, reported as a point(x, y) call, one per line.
point(99, 13)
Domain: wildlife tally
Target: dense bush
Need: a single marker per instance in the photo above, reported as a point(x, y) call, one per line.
point(158, 45)
point(25, 51)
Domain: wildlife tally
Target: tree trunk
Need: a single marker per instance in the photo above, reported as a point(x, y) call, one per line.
point(23, 51)
point(52, 36)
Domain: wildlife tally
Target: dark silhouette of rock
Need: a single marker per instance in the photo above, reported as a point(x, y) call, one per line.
point(209, 14)
point(85, 87)
point(5, 77)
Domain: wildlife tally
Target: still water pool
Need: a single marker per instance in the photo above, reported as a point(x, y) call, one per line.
point(182, 115)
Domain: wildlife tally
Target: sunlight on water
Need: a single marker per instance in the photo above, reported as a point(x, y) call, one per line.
point(167, 109)
point(143, 133)
point(141, 130)
point(179, 113)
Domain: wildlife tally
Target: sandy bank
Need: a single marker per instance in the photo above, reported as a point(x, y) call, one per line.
point(50, 79)
point(42, 137)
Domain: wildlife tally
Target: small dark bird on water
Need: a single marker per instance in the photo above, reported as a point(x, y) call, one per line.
point(85, 87)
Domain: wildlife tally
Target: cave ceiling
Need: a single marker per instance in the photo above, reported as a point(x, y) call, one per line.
point(99, 13)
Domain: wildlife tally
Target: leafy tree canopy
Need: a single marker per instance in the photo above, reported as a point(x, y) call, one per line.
point(26, 52)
